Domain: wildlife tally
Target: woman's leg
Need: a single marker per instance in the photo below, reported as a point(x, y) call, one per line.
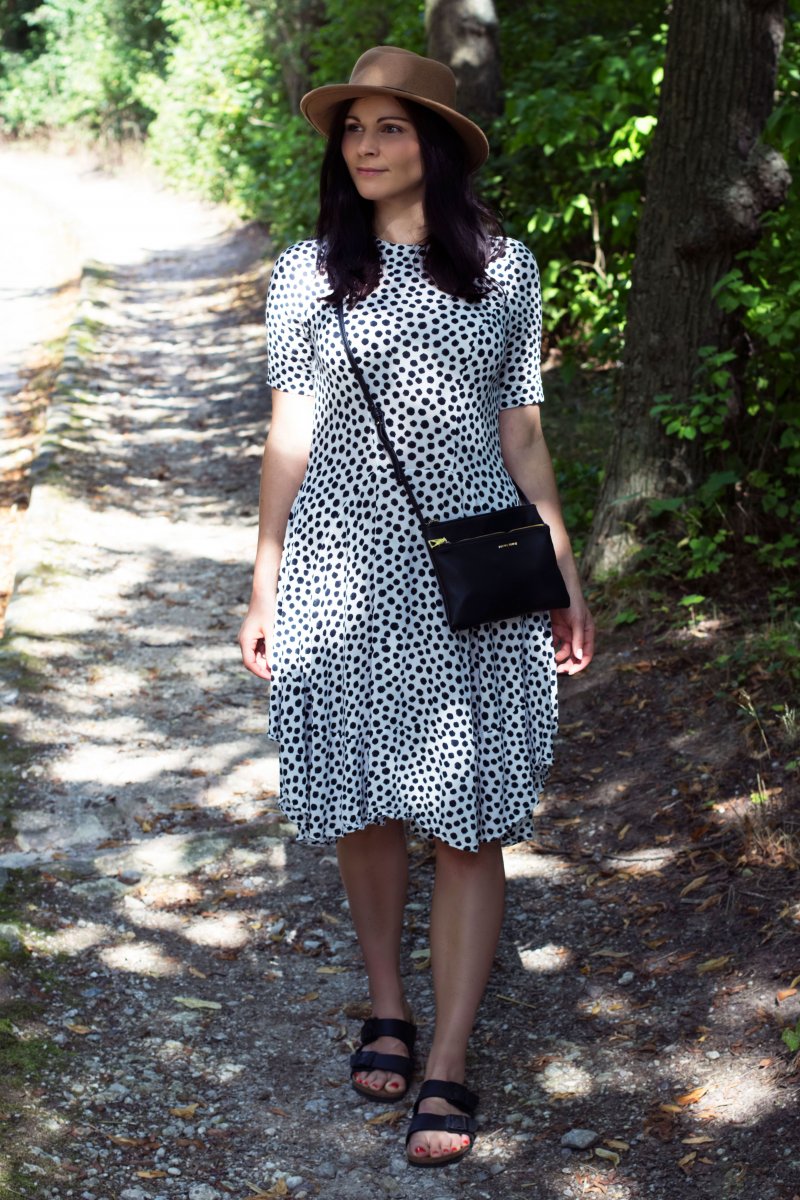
point(374, 867)
point(466, 916)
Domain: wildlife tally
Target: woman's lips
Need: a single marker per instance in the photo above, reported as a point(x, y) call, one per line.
point(370, 170)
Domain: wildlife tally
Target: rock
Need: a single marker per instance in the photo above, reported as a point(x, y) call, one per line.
point(579, 1139)
point(133, 1193)
point(129, 878)
point(327, 1170)
point(11, 946)
point(293, 1182)
point(626, 978)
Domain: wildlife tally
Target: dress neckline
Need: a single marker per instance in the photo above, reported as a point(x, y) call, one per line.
point(400, 245)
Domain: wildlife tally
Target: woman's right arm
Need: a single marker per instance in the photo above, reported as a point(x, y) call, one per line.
point(282, 470)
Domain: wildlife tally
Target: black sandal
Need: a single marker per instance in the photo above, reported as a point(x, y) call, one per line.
point(453, 1093)
point(372, 1060)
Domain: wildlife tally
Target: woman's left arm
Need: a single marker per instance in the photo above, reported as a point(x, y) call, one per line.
point(527, 460)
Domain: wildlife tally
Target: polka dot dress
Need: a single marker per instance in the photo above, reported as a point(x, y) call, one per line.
point(380, 711)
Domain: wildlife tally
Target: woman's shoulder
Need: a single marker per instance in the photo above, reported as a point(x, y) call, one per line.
point(299, 257)
point(510, 257)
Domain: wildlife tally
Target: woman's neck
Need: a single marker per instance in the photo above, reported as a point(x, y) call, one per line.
point(404, 225)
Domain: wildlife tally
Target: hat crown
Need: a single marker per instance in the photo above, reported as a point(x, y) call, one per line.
point(404, 71)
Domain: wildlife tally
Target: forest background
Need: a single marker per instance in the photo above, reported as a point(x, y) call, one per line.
point(570, 94)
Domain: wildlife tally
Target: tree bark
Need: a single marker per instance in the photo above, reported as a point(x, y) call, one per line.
point(463, 34)
point(292, 22)
point(709, 180)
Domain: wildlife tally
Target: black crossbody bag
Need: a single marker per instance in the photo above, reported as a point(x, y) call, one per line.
point(490, 567)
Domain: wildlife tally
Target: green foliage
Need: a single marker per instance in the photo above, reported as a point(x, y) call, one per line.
point(90, 55)
point(581, 95)
point(791, 1037)
point(218, 124)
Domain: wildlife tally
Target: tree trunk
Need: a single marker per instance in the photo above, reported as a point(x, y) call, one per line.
point(463, 34)
point(709, 180)
point(292, 21)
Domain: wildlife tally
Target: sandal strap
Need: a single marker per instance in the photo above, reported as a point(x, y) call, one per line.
point(432, 1122)
point(371, 1060)
point(453, 1093)
point(377, 1027)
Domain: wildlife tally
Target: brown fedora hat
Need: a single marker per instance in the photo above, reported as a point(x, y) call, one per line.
point(390, 71)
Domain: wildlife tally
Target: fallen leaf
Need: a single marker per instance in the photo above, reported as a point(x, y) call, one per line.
point(198, 974)
point(691, 1097)
point(623, 831)
point(616, 1144)
point(709, 902)
point(307, 997)
point(785, 993)
point(278, 1112)
point(607, 1154)
point(151, 1174)
point(670, 1108)
point(331, 970)
point(185, 1110)
point(713, 964)
point(697, 1139)
point(194, 1002)
point(392, 1117)
point(610, 954)
point(81, 1029)
point(694, 885)
point(687, 1159)
point(119, 1140)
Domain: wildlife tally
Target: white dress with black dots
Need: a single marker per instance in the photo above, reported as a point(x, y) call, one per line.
point(380, 711)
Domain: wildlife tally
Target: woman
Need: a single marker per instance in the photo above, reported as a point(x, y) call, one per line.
point(383, 715)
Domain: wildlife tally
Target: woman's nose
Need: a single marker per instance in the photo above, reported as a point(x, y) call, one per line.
point(367, 144)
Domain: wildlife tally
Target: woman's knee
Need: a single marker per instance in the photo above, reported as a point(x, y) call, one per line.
point(488, 857)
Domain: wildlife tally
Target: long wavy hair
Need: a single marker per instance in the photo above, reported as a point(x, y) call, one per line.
point(460, 226)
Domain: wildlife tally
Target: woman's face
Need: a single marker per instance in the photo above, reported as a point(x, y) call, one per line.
point(382, 151)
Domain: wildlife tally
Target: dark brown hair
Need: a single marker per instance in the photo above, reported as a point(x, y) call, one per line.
point(460, 226)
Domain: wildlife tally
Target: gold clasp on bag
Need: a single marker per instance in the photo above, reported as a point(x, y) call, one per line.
point(434, 542)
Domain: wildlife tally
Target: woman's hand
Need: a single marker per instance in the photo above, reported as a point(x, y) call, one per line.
point(573, 634)
point(255, 640)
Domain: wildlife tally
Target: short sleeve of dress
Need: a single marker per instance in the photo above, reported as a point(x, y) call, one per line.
point(520, 378)
point(291, 362)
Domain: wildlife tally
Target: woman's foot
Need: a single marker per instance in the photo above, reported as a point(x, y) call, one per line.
point(388, 1081)
point(382, 1066)
point(439, 1099)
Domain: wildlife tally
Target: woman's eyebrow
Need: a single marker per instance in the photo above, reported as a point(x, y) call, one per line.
point(354, 117)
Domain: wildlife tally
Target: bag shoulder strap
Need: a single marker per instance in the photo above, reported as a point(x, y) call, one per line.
point(380, 424)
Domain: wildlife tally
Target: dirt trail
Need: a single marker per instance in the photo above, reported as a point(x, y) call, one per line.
point(188, 972)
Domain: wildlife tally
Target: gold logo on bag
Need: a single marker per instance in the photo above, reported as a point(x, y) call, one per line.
point(504, 545)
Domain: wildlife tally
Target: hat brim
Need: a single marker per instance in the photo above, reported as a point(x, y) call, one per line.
point(319, 108)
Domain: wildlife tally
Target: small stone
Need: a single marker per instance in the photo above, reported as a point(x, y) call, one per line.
point(10, 941)
point(712, 1053)
point(327, 1170)
point(579, 1139)
point(130, 877)
point(133, 1193)
point(626, 979)
point(293, 1182)
point(497, 1168)
point(203, 1191)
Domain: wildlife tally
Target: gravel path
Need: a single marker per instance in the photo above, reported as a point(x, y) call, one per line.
point(189, 971)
